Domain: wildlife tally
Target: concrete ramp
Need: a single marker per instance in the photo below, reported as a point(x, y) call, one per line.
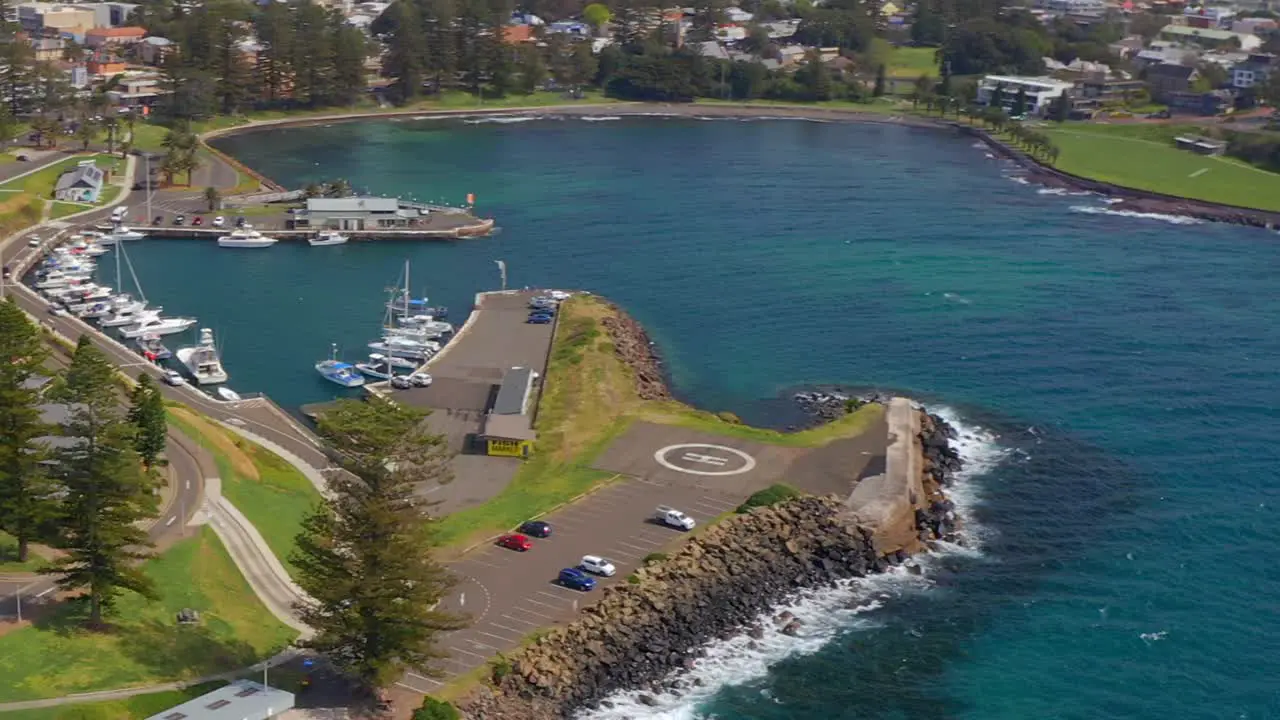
point(886, 504)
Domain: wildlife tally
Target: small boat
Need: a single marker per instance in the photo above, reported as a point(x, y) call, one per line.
point(336, 371)
point(419, 306)
point(119, 233)
point(203, 361)
point(381, 372)
point(158, 326)
point(152, 349)
point(405, 348)
point(378, 359)
point(327, 238)
point(130, 314)
point(246, 237)
point(228, 394)
point(95, 310)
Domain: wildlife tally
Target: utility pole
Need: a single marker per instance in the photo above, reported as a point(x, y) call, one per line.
point(18, 596)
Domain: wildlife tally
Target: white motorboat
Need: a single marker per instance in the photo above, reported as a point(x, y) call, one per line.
point(416, 350)
point(246, 237)
point(120, 233)
point(228, 394)
point(158, 326)
point(380, 372)
point(378, 359)
point(427, 322)
point(62, 279)
point(327, 238)
point(130, 314)
point(94, 310)
point(202, 360)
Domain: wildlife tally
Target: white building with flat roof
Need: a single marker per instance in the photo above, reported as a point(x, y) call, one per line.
point(1040, 91)
point(241, 700)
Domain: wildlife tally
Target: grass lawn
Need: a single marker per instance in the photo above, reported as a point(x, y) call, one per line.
point(588, 401)
point(55, 657)
point(912, 62)
point(139, 706)
point(878, 105)
point(270, 492)
point(1141, 157)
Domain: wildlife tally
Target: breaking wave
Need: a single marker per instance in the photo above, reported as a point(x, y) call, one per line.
point(1174, 219)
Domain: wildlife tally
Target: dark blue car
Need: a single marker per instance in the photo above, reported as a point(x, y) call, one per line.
point(539, 319)
point(536, 528)
point(576, 579)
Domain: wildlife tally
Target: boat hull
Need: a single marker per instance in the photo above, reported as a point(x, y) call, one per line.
point(233, 243)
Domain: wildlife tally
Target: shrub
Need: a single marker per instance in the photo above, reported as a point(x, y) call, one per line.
point(633, 579)
point(652, 558)
point(771, 495)
point(500, 667)
point(729, 417)
point(433, 709)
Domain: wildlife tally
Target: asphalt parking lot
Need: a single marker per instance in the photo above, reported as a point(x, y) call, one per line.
point(510, 594)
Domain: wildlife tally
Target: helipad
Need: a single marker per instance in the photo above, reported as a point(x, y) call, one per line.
point(704, 459)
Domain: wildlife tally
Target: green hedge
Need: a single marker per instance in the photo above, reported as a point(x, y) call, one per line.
point(771, 495)
point(433, 709)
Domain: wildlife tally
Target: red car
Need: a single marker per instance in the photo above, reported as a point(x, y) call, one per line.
point(198, 221)
point(515, 542)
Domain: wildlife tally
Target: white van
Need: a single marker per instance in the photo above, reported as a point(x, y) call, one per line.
point(118, 214)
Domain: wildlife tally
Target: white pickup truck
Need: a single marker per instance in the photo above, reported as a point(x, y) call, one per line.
point(673, 518)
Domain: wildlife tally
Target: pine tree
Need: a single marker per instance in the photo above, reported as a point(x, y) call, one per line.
point(407, 51)
point(233, 71)
point(440, 19)
point(533, 70)
point(364, 558)
point(107, 492)
point(275, 61)
point(313, 55)
point(1019, 103)
point(146, 412)
point(26, 492)
point(350, 51)
point(878, 90)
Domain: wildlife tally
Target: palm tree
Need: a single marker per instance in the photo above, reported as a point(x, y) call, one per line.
point(86, 132)
point(213, 198)
point(111, 124)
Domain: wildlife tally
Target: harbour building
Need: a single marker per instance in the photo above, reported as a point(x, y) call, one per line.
point(358, 213)
point(508, 428)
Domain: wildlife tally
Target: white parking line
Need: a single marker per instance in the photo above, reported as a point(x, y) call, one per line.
point(721, 501)
point(496, 637)
point(508, 629)
point(573, 593)
point(424, 678)
point(466, 652)
point(535, 602)
point(532, 612)
point(523, 622)
point(625, 554)
point(478, 644)
point(644, 549)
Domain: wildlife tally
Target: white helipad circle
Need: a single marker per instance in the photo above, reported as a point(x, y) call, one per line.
point(748, 462)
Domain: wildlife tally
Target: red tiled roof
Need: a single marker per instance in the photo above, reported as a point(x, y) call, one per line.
point(517, 33)
point(119, 32)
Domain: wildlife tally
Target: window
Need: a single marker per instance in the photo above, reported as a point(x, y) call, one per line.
point(216, 705)
point(174, 716)
point(247, 692)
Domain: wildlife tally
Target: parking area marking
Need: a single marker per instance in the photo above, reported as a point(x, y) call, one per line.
point(625, 554)
point(522, 622)
point(715, 459)
point(478, 644)
point(504, 627)
point(574, 593)
point(637, 547)
point(497, 637)
point(535, 602)
point(467, 652)
point(535, 613)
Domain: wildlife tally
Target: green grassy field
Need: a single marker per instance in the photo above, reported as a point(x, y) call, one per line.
point(9, 557)
point(270, 492)
point(139, 706)
point(1142, 157)
point(912, 62)
point(56, 657)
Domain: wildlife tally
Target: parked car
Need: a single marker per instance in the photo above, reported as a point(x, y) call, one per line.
point(542, 302)
point(536, 528)
point(158, 220)
point(515, 541)
point(559, 295)
point(33, 242)
point(7, 272)
point(240, 221)
point(179, 219)
point(401, 382)
point(171, 377)
point(57, 310)
point(420, 379)
point(539, 319)
point(673, 518)
point(219, 221)
point(597, 565)
point(575, 579)
point(198, 221)
point(542, 313)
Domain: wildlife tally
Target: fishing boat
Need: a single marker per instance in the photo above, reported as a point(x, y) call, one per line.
point(246, 237)
point(152, 348)
point(397, 347)
point(120, 233)
point(336, 371)
point(203, 360)
point(228, 394)
point(377, 359)
point(381, 371)
point(94, 310)
point(158, 326)
point(130, 314)
point(327, 238)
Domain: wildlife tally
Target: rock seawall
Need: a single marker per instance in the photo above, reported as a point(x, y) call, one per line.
point(639, 634)
point(633, 346)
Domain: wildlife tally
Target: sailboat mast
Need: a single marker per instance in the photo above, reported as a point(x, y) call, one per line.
point(147, 180)
point(406, 290)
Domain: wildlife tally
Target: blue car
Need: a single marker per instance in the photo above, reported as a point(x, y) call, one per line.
point(576, 579)
point(539, 319)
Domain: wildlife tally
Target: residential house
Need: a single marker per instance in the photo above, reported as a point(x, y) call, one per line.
point(1089, 8)
point(105, 63)
point(791, 54)
point(1198, 103)
point(1128, 46)
point(1204, 16)
point(1096, 90)
point(781, 29)
point(1163, 51)
point(117, 37)
point(730, 33)
point(112, 14)
point(1253, 71)
point(576, 28)
point(136, 90)
point(513, 34)
point(1040, 92)
point(77, 73)
point(1164, 79)
point(154, 50)
point(48, 49)
point(72, 20)
point(241, 700)
point(738, 15)
point(83, 183)
point(1210, 38)
point(1255, 26)
point(711, 49)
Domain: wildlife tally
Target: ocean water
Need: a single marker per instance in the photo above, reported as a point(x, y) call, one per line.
point(1115, 376)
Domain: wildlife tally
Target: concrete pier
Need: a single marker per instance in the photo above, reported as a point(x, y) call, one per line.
point(887, 503)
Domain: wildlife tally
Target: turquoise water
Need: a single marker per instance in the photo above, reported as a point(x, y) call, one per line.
point(1127, 365)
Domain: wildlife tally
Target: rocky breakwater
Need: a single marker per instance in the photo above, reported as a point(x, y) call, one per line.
point(633, 347)
point(643, 632)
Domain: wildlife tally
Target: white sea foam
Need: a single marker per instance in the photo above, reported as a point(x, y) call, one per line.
point(1019, 179)
point(505, 119)
point(600, 118)
point(1052, 191)
point(827, 613)
point(1174, 219)
point(956, 297)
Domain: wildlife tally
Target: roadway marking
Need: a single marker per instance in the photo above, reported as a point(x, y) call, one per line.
point(42, 593)
point(704, 458)
point(535, 602)
point(522, 622)
point(504, 627)
point(171, 521)
point(637, 547)
point(532, 612)
point(1199, 172)
point(495, 637)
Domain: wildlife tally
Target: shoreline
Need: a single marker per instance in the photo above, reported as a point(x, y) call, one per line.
point(1130, 199)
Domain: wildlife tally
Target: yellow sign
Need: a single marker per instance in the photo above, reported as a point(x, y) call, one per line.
point(510, 448)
